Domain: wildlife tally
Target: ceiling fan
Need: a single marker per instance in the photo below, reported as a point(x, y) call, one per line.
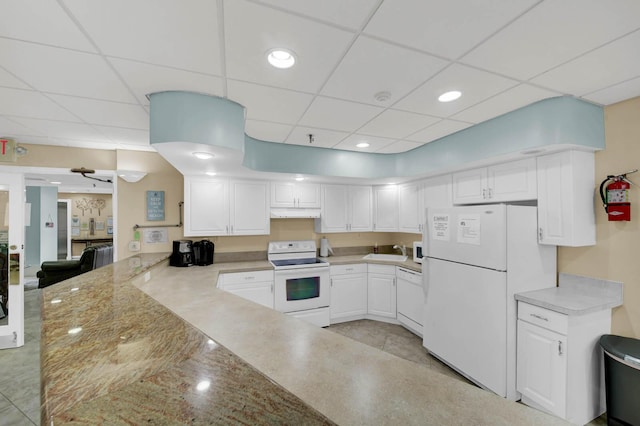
point(83, 171)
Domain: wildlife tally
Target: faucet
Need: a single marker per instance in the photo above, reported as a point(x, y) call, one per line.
point(403, 249)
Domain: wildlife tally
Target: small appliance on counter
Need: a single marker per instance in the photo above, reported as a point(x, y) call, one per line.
point(182, 254)
point(203, 252)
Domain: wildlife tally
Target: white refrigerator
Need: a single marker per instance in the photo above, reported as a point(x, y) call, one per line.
point(476, 259)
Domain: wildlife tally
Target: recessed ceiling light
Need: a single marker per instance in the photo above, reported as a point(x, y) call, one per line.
point(362, 145)
point(210, 173)
point(281, 58)
point(450, 96)
point(203, 155)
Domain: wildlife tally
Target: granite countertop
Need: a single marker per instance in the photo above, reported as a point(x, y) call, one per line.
point(141, 342)
point(576, 295)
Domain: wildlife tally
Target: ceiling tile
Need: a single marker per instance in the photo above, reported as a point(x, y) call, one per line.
point(397, 124)
point(257, 29)
point(163, 32)
point(570, 28)
point(372, 66)
point(9, 128)
point(338, 115)
point(375, 143)
point(445, 28)
point(105, 113)
point(144, 79)
point(509, 100)
point(68, 72)
point(438, 130)
point(475, 85)
point(269, 103)
point(351, 14)
point(122, 136)
point(64, 130)
point(27, 103)
point(614, 63)
point(265, 131)
point(321, 138)
point(399, 146)
point(41, 21)
point(620, 92)
point(7, 80)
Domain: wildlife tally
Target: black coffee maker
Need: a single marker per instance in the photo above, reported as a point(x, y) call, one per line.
point(203, 252)
point(182, 253)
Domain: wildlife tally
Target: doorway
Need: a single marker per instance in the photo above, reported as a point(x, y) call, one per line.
point(64, 229)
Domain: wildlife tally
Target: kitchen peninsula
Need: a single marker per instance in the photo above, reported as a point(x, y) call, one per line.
point(139, 341)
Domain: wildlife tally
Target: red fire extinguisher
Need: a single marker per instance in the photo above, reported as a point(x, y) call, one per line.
point(615, 197)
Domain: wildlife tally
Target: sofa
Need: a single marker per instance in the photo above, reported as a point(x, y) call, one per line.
point(92, 257)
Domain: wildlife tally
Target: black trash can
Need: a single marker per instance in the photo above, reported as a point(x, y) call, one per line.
point(622, 379)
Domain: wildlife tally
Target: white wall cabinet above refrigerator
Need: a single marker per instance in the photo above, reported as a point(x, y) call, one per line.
point(225, 207)
point(513, 181)
point(566, 187)
point(385, 208)
point(296, 195)
point(345, 208)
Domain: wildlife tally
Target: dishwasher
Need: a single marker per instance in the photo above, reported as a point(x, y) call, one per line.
point(410, 299)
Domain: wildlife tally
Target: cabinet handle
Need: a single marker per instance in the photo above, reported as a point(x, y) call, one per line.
point(490, 192)
point(540, 317)
point(271, 288)
point(249, 278)
point(331, 281)
point(349, 269)
point(394, 282)
point(484, 194)
point(232, 229)
point(227, 231)
point(559, 347)
point(539, 234)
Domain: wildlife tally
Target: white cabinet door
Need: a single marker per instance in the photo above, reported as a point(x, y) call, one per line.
point(359, 211)
point(437, 192)
point(513, 181)
point(385, 208)
point(566, 187)
point(300, 195)
point(345, 209)
point(470, 186)
point(206, 207)
point(381, 295)
point(410, 207)
point(333, 213)
point(249, 208)
point(260, 292)
point(348, 296)
point(542, 367)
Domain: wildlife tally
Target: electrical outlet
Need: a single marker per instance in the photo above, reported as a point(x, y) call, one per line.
point(134, 245)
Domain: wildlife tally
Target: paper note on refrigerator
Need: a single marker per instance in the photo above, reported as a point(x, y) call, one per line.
point(440, 227)
point(469, 229)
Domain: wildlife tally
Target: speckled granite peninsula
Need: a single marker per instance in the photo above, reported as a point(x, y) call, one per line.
point(141, 342)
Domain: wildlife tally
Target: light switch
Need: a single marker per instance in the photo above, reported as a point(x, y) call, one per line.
point(134, 245)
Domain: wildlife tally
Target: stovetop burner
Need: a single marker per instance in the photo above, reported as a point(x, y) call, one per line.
point(297, 262)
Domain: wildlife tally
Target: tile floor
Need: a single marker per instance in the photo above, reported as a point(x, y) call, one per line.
point(20, 368)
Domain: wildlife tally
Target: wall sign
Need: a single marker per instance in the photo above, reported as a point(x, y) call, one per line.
point(155, 205)
point(7, 150)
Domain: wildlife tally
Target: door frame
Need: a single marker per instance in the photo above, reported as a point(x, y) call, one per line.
point(67, 201)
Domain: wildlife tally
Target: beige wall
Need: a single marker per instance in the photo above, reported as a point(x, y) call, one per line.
point(616, 256)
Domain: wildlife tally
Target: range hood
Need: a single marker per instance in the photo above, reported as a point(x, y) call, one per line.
point(283, 213)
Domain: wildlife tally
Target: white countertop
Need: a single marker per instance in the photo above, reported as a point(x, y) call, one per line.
point(576, 295)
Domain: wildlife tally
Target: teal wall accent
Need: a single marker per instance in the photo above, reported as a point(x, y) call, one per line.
point(189, 117)
point(194, 117)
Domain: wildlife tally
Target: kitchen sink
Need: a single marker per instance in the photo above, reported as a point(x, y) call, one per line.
point(386, 257)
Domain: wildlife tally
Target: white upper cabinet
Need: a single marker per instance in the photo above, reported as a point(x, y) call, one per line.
point(345, 209)
point(222, 207)
point(410, 207)
point(300, 195)
point(437, 192)
point(206, 206)
point(566, 186)
point(513, 181)
point(385, 208)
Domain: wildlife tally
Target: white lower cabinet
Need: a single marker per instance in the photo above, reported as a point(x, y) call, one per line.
point(410, 299)
point(256, 286)
point(381, 289)
point(348, 292)
point(559, 362)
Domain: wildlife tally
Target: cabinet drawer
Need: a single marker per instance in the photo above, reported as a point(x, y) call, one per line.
point(356, 268)
point(246, 277)
point(408, 275)
point(374, 268)
point(542, 317)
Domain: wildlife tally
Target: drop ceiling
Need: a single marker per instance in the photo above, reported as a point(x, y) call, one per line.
point(76, 73)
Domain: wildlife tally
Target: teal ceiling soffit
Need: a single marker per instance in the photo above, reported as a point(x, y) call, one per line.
point(192, 117)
